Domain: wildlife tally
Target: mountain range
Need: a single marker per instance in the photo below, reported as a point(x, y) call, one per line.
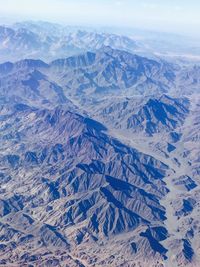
point(50, 43)
point(99, 154)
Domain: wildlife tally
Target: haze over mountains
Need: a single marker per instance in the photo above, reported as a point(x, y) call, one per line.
point(48, 41)
point(54, 42)
point(99, 155)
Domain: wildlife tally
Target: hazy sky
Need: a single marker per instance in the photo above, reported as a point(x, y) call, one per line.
point(164, 15)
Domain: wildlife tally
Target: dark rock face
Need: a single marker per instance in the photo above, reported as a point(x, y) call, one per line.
point(174, 137)
point(154, 236)
point(187, 182)
point(187, 250)
point(14, 203)
point(187, 207)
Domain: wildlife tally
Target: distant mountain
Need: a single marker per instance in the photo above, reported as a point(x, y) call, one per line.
point(43, 28)
point(169, 46)
point(107, 71)
point(104, 72)
point(30, 85)
point(49, 42)
point(18, 44)
point(113, 71)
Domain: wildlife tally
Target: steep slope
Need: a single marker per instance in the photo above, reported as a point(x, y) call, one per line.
point(148, 115)
point(163, 114)
point(177, 145)
point(71, 186)
point(70, 193)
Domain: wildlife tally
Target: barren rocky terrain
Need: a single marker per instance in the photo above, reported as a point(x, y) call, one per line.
point(99, 159)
